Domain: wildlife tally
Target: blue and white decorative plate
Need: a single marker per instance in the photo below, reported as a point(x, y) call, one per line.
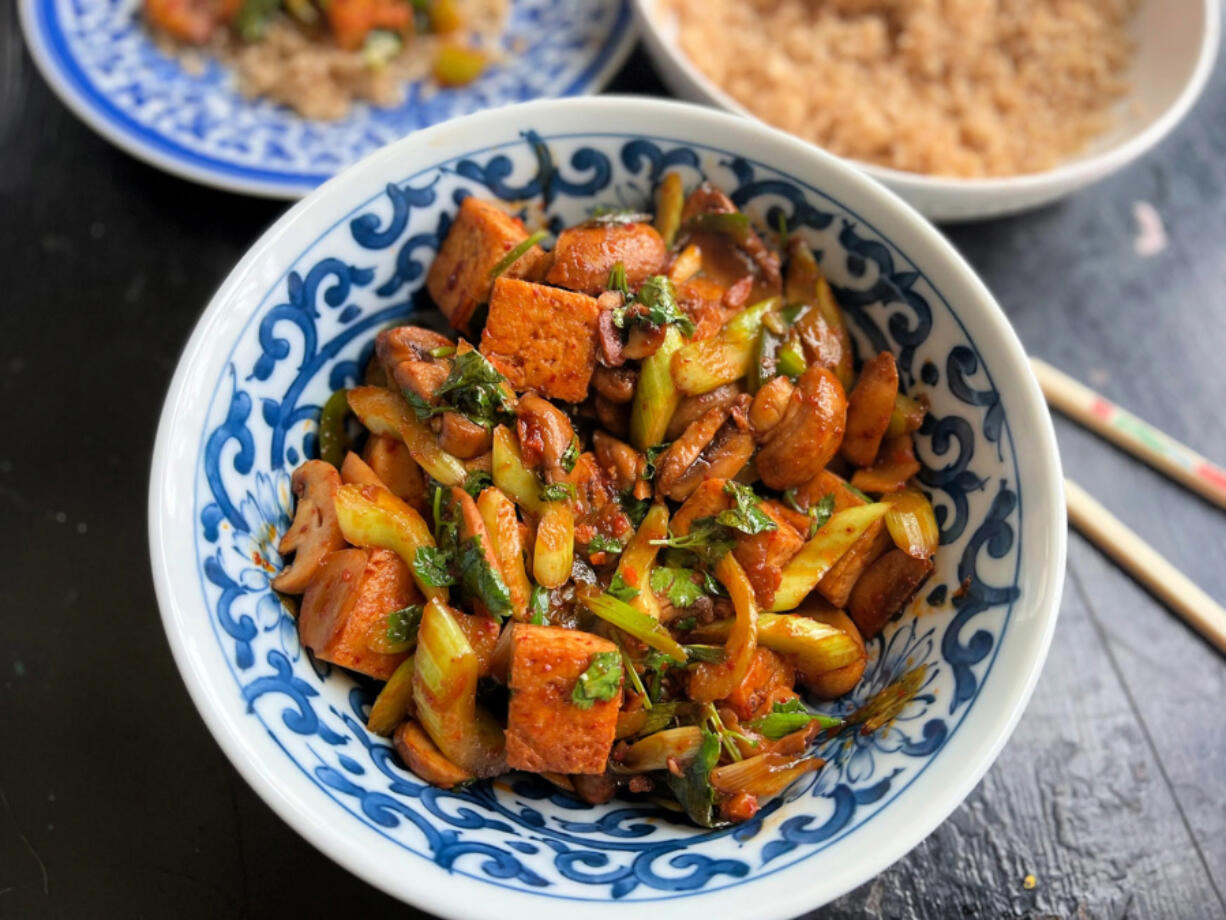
point(296, 320)
point(101, 60)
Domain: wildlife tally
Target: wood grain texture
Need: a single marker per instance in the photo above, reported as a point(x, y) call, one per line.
point(115, 801)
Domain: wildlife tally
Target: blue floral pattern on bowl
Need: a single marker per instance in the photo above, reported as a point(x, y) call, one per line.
point(313, 332)
point(103, 61)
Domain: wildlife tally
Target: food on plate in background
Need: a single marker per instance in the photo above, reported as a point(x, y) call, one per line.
point(967, 88)
point(319, 56)
point(614, 528)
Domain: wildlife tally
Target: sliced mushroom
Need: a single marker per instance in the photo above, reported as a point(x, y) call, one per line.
point(808, 435)
point(619, 460)
point(609, 335)
point(331, 596)
point(707, 199)
point(708, 449)
point(405, 355)
point(769, 404)
point(615, 384)
point(545, 434)
point(868, 409)
point(613, 416)
point(691, 408)
point(463, 437)
point(315, 532)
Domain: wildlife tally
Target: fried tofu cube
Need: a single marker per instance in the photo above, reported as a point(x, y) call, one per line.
point(347, 602)
point(546, 731)
point(584, 255)
point(763, 555)
point(459, 278)
point(542, 338)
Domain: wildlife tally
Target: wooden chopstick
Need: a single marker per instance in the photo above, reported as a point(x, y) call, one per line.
point(1139, 438)
point(1146, 565)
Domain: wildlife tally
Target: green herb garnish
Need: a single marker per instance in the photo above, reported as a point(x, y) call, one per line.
point(601, 681)
point(693, 789)
point(746, 515)
point(557, 492)
point(514, 255)
point(618, 282)
point(570, 456)
point(476, 390)
point(538, 603)
point(602, 544)
point(401, 631)
point(477, 481)
point(789, 717)
point(620, 590)
point(482, 581)
point(732, 223)
point(682, 587)
point(432, 566)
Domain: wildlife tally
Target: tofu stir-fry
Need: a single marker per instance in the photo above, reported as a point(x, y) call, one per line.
point(620, 525)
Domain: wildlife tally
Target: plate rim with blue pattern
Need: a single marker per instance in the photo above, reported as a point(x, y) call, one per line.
point(116, 93)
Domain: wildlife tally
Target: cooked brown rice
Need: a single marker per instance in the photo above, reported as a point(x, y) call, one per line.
point(947, 87)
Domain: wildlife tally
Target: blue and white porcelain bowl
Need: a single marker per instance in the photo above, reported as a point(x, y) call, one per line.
point(102, 61)
point(297, 319)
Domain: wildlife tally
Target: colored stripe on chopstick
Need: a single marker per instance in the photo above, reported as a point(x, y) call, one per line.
point(1121, 427)
point(1140, 560)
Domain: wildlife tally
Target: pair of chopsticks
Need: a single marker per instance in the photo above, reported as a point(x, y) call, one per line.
point(1097, 524)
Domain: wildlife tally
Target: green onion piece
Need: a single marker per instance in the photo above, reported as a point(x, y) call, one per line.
point(333, 441)
point(514, 255)
point(790, 361)
point(670, 197)
point(733, 224)
point(640, 625)
point(635, 680)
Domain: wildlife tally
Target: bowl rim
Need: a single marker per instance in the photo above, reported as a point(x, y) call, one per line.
point(60, 70)
point(229, 302)
point(1070, 174)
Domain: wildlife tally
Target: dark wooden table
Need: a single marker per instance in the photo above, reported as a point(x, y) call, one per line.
point(1110, 799)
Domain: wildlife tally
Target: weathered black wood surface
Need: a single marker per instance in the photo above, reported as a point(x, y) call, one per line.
point(114, 801)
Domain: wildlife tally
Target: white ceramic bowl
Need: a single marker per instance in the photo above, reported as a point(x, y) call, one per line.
point(296, 319)
point(1176, 41)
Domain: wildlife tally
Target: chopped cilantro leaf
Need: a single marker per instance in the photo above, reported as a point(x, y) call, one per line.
point(401, 630)
point(819, 514)
point(789, 717)
point(473, 387)
point(602, 544)
point(481, 580)
point(682, 587)
point(570, 456)
point(686, 623)
point(538, 604)
point(708, 540)
point(746, 515)
point(601, 680)
point(653, 454)
point(558, 491)
point(620, 590)
point(659, 297)
point(477, 481)
point(693, 788)
point(433, 567)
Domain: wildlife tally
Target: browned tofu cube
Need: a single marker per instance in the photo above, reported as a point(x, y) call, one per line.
point(763, 555)
point(347, 602)
point(546, 731)
point(584, 255)
point(836, 584)
point(542, 338)
point(481, 235)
